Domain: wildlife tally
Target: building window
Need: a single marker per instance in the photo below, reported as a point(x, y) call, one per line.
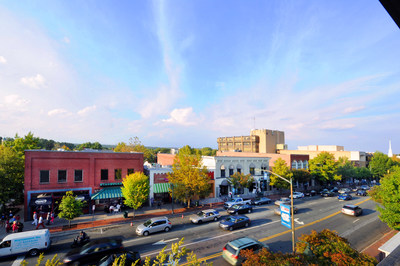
point(294, 164)
point(239, 170)
point(104, 174)
point(252, 169)
point(300, 164)
point(78, 176)
point(131, 171)
point(306, 165)
point(44, 176)
point(62, 176)
point(230, 172)
point(118, 174)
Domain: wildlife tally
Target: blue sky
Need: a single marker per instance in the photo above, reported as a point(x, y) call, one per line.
point(178, 73)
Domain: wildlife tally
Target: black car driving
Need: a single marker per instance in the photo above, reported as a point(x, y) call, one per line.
point(93, 251)
point(240, 208)
point(233, 222)
point(361, 192)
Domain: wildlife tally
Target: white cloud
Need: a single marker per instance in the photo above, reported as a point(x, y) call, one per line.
point(34, 82)
point(337, 125)
point(56, 112)
point(183, 117)
point(353, 109)
point(87, 110)
point(15, 100)
point(3, 60)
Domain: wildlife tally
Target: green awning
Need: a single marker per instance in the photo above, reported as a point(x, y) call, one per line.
point(108, 193)
point(161, 187)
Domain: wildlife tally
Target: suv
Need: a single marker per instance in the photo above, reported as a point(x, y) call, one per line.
point(205, 216)
point(231, 251)
point(154, 225)
point(351, 210)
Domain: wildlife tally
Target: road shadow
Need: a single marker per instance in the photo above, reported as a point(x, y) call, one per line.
point(304, 210)
point(260, 221)
point(280, 246)
point(368, 211)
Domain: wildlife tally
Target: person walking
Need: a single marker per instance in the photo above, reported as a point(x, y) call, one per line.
point(48, 218)
point(14, 227)
point(20, 226)
point(52, 217)
point(8, 227)
point(40, 223)
point(35, 220)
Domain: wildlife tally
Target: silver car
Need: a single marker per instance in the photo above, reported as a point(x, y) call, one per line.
point(205, 216)
point(154, 225)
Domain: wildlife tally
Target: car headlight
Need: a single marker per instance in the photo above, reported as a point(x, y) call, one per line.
point(66, 260)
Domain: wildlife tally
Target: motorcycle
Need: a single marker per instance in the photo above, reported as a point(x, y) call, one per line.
point(79, 243)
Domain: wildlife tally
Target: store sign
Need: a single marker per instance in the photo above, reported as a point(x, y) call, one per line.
point(285, 215)
point(41, 202)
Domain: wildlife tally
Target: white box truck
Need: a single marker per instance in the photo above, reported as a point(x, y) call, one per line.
point(30, 242)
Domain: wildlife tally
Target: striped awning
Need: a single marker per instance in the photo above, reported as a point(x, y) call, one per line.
point(161, 187)
point(108, 193)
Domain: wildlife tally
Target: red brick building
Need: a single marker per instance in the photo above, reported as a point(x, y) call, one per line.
point(49, 174)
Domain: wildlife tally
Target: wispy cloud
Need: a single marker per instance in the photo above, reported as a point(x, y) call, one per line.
point(36, 82)
point(14, 100)
point(183, 117)
point(56, 112)
point(353, 109)
point(3, 60)
point(87, 110)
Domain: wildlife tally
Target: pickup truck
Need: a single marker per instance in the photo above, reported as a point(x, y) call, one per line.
point(235, 201)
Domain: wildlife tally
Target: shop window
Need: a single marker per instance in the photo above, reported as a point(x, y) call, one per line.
point(44, 176)
point(118, 174)
point(104, 174)
point(78, 176)
point(222, 172)
point(294, 164)
point(239, 170)
point(131, 171)
point(230, 172)
point(62, 176)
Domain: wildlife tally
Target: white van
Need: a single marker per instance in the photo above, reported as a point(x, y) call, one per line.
point(30, 242)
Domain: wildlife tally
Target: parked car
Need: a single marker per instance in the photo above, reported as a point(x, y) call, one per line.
point(345, 196)
point(259, 201)
point(240, 208)
point(231, 251)
point(205, 216)
point(154, 225)
point(282, 200)
point(365, 187)
point(93, 251)
point(235, 201)
point(277, 211)
point(361, 192)
point(130, 258)
point(310, 193)
point(352, 210)
point(298, 195)
point(344, 190)
point(327, 193)
point(233, 222)
point(334, 190)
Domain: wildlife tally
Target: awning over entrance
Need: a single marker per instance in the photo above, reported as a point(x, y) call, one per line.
point(108, 193)
point(161, 187)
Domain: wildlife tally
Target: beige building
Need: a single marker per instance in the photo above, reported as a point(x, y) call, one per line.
point(358, 158)
point(259, 141)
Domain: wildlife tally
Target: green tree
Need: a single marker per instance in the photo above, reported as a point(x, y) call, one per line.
point(323, 248)
point(301, 175)
point(135, 145)
point(388, 196)
point(280, 168)
point(362, 173)
point(207, 151)
point(70, 207)
point(135, 190)
point(189, 178)
point(380, 164)
point(88, 145)
point(346, 169)
point(240, 180)
point(18, 144)
point(324, 167)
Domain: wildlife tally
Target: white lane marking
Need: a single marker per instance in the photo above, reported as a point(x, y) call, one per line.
point(298, 222)
point(163, 242)
point(18, 261)
point(356, 221)
point(207, 239)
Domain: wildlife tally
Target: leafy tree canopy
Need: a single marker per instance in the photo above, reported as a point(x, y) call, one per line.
point(18, 144)
point(240, 180)
point(283, 170)
point(88, 145)
point(189, 177)
point(362, 173)
point(345, 168)
point(70, 207)
point(388, 195)
point(135, 190)
point(324, 167)
point(301, 175)
point(380, 164)
point(135, 145)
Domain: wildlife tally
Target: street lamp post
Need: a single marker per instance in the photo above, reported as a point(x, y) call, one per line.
point(172, 197)
point(291, 206)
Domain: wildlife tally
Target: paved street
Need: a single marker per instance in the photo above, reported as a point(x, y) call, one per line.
point(207, 240)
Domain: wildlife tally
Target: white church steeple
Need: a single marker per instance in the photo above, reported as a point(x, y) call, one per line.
point(390, 153)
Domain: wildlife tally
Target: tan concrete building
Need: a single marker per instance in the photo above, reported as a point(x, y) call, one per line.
point(358, 158)
point(259, 141)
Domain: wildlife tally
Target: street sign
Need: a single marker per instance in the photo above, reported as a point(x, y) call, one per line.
point(285, 215)
point(266, 177)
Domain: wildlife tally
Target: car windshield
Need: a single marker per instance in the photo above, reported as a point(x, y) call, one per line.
point(201, 214)
point(147, 223)
point(230, 219)
point(236, 206)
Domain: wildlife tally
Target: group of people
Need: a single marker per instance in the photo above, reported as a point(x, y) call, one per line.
point(39, 222)
point(12, 222)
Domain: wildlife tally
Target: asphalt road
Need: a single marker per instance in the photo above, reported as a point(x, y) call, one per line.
point(207, 240)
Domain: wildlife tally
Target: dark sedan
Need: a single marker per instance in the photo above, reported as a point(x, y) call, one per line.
point(310, 193)
point(259, 201)
point(345, 196)
point(327, 193)
point(361, 192)
point(233, 222)
point(239, 208)
point(93, 251)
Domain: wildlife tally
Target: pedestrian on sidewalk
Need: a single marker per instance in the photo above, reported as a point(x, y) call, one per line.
point(52, 217)
point(152, 201)
point(40, 223)
point(14, 227)
point(48, 218)
point(159, 204)
point(20, 226)
point(111, 209)
point(11, 215)
point(35, 221)
point(8, 227)
point(17, 218)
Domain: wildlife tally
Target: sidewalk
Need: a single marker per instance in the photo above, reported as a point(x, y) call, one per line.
point(372, 249)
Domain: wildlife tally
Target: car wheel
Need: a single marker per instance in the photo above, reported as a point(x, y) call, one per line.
point(167, 229)
point(33, 252)
point(215, 219)
point(200, 221)
point(246, 225)
point(249, 210)
point(145, 233)
point(230, 228)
